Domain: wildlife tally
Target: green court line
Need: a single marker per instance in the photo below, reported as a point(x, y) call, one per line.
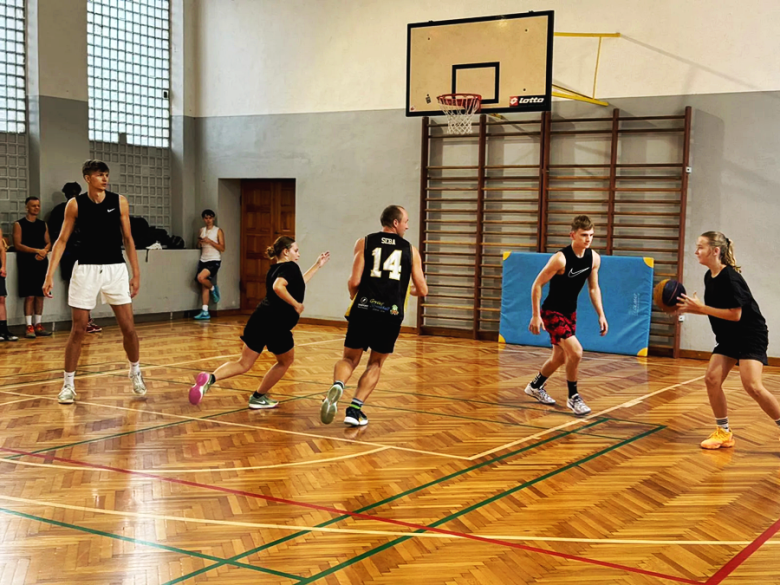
point(123, 434)
point(55, 378)
point(156, 545)
point(470, 400)
point(389, 499)
point(60, 370)
point(471, 418)
point(458, 416)
point(173, 424)
point(229, 388)
point(500, 422)
point(505, 405)
point(476, 506)
point(577, 432)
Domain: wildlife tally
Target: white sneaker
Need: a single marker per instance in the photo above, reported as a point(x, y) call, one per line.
point(540, 394)
point(578, 405)
point(67, 395)
point(139, 388)
point(330, 403)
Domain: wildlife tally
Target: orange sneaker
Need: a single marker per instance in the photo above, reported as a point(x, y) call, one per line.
point(29, 332)
point(720, 439)
point(40, 331)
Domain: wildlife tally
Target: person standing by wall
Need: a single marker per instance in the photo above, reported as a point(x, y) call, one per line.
point(56, 218)
point(5, 335)
point(32, 243)
point(211, 241)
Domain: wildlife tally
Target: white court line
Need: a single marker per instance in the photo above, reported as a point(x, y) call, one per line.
point(628, 403)
point(259, 428)
point(206, 469)
point(434, 535)
point(253, 427)
point(145, 368)
point(275, 430)
point(17, 401)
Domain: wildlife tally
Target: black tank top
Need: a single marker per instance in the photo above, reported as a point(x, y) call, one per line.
point(100, 230)
point(566, 287)
point(33, 233)
point(387, 269)
point(34, 236)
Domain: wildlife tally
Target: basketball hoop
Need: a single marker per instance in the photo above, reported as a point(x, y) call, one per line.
point(460, 109)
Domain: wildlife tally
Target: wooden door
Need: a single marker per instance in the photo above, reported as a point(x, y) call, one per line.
point(267, 212)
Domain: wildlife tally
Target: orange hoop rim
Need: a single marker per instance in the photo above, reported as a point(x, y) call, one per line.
point(460, 100)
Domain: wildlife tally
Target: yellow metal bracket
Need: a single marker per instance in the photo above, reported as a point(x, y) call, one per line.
point(574, 95)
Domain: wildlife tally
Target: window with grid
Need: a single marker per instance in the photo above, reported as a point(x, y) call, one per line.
point(129, 71)
point(12, 70)
point(13, 113)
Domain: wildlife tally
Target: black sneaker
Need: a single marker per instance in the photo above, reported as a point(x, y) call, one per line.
point(355, 417)
point(8, 337)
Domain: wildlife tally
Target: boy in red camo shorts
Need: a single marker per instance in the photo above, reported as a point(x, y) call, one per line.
point(567, 271)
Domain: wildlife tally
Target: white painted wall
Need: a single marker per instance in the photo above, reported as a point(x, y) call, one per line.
point(167, 286)
point(295, 56)
point(57, 47)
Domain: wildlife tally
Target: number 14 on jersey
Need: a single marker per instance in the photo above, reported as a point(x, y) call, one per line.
point(392, 265)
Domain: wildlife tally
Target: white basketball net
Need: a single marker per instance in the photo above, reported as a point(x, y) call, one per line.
point(460, 109)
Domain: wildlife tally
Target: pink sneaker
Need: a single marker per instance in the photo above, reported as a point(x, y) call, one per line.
point(202, 384)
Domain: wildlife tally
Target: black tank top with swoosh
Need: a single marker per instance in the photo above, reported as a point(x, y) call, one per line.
point(566, 287)
point(100, 230)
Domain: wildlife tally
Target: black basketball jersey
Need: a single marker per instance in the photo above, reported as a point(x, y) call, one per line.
point(100, 230)
point(33, 236)
point(729, 290)
point(566, 287)
point(272, 307)
point(384, 284)
point(33, 233)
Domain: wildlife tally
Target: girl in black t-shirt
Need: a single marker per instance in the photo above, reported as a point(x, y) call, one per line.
point(270, 325)
point(740, 333)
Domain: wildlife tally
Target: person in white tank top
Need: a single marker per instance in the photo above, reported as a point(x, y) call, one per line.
point(211, 241)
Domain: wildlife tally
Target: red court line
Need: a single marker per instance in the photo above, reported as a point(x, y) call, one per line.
point(361, 516)
point(746, 553)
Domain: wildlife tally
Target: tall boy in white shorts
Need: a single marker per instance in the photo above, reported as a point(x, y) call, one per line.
point(103, 219)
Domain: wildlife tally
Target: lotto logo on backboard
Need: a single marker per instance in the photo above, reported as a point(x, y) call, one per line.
point(517, 101)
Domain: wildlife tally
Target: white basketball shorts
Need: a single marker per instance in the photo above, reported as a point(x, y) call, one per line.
point(111, 281)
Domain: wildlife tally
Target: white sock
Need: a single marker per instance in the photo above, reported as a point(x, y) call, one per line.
point(70, 378)
point(205, 308)
point(135, 368)
point(212, 287)
point(28, 320)
point(38, 319)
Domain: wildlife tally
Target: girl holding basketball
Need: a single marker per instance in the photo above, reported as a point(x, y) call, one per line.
point(270, 325)
point(740, 333)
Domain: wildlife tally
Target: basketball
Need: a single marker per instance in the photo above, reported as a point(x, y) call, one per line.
point(665, 294)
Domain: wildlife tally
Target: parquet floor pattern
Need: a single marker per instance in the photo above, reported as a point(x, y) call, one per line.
point(459, 478)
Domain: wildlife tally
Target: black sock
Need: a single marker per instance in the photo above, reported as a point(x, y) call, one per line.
point(539, 381)
point(3, 326)
point(356, 403)
point(256, 394)
point(212, 379)
point(572, 387)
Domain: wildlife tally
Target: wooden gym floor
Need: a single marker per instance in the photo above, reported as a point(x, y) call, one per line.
point(459, 477)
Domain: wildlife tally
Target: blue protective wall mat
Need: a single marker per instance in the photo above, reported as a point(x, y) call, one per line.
point(626, 289)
